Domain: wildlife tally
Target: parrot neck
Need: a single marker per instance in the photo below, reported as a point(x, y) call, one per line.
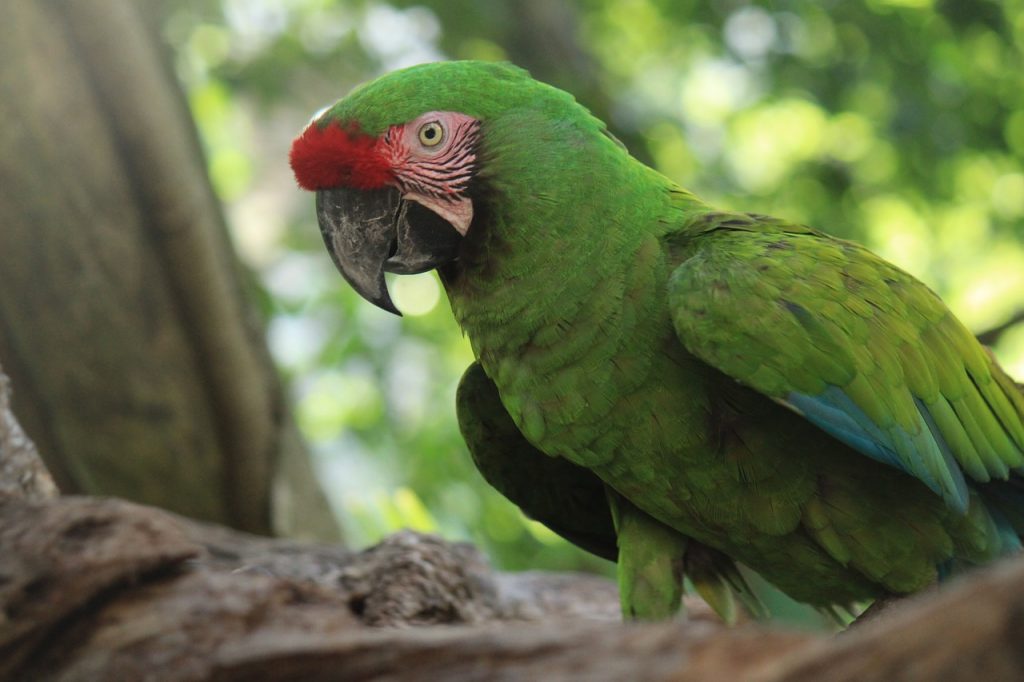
point(559, 219)
point(560, 288)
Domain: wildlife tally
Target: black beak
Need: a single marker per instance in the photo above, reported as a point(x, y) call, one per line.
point(370, 232)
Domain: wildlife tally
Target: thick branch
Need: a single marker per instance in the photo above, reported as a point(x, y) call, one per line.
point(95, 589)
point(991, 336)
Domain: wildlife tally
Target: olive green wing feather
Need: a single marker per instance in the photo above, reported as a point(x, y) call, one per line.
point(852, 343)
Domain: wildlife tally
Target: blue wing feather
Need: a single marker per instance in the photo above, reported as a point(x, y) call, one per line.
point(834, 412)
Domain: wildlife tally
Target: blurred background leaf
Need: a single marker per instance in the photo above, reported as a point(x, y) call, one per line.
point(898, 123)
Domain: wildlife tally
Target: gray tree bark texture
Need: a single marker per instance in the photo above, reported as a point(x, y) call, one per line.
point(22, 473)
point(101, 589)
point(141, 368)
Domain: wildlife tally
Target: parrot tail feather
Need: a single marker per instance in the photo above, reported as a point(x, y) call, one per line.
point(719, 581)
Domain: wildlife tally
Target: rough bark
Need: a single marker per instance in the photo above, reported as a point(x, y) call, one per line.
point(103, 589)
point(22, 473)
point(123, 316)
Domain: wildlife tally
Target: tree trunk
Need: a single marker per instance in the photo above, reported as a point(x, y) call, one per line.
point(141, 368)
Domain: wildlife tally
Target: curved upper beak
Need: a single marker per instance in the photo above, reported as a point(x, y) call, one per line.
point(370, 232)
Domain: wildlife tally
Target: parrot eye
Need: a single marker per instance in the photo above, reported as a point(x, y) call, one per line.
point(431, 134)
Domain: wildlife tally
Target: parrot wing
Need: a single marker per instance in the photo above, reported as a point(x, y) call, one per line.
point(850, 342)
point(568, 499)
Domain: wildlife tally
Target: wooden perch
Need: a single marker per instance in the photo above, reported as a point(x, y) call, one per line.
point(105, 589)
point(102, 589)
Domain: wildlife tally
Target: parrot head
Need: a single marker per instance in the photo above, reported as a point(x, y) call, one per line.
point(401, 165)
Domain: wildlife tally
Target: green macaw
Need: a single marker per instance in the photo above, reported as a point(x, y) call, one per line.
point(668, 385)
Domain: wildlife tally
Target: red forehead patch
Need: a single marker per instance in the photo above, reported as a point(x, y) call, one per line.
point(332, 156)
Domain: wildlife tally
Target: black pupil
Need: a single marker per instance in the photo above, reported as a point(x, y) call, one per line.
point(430, 133)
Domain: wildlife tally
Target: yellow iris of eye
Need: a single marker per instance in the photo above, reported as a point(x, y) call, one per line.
point(431, 134)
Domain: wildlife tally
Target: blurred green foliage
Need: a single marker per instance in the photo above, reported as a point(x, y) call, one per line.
point(899, 123)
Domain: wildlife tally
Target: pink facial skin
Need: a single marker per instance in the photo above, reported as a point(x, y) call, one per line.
point(435, 174)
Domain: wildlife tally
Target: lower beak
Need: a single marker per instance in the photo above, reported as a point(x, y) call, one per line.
point(370, 232)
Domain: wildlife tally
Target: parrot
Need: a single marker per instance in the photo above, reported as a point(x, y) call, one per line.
point(692, 393)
